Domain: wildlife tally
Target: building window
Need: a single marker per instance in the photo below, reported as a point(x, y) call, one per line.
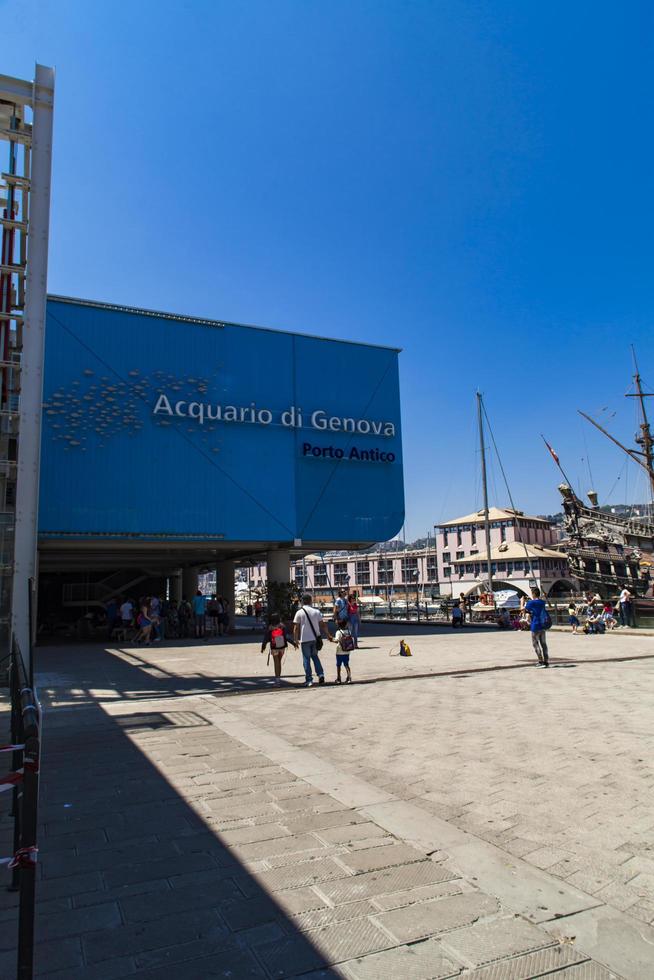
point(409, 569)
point(363, 572)
point(432, 569)
point(299, 577)
point(385, 571)
point(473, 535)
point(460, 554)
point(470, 569)
point(503, 532)
point(447, 572)
point(458, 537)
point(445, 539)
point(501, 566)
point(341, 577)
point(446, 557)
point(320, 577)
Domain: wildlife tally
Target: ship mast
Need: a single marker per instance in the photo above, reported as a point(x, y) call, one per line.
point(482, 447)
point(645, 456)
point(645, 439)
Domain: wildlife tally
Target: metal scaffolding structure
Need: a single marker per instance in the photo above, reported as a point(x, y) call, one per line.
point(26, 111)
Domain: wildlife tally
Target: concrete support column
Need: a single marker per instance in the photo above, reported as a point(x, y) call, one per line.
point(278, 571)
point(176, 585)
point(278, 566)
point(189, 583)
point(41, 98)
point(225, 586)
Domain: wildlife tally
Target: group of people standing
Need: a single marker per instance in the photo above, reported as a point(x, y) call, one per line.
point(310, 629)
point(155, 617)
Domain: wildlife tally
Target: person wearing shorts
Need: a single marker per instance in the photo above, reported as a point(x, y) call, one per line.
point(144, 624)
point(342, 656)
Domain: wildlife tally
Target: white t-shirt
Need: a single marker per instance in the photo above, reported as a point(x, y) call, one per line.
point(625, 595)
point(302, 617)
point(126, 610)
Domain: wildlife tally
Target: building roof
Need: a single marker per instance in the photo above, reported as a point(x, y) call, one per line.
point(513, 551)
point(494, 514)
point(203, 321)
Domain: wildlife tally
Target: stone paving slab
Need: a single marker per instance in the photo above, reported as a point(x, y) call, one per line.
point(420, 961)
point(429, 918)
point(484, 942)
point(546, 962)
point(385, 856)
point(235, 840)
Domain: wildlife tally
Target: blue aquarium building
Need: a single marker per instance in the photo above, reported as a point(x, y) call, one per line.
point(173, 443)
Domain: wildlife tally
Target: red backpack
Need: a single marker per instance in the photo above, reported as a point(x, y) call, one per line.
point(346, 641)
point(277, 638)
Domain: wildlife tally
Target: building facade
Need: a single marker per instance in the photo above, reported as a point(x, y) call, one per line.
point(173, 444)
point(523, 552)
point(387, 574)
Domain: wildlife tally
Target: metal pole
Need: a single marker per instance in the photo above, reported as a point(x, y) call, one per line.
point(31, 396)
point(485, 489)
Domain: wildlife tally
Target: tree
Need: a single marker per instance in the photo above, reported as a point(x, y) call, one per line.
point(282, 598)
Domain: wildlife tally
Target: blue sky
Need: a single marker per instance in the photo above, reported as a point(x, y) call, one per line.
point(471, 181)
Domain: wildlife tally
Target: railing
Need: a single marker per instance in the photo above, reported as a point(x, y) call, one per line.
point(25, 756)
point(406, 610)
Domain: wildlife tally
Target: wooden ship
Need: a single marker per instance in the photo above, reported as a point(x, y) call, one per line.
point(606, 552)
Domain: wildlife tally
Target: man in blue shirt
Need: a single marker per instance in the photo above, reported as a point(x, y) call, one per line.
point(199, 612)
point(537, 615)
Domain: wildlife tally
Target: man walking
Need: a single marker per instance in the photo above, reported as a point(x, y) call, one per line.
point(308, 627)
point(537, 619)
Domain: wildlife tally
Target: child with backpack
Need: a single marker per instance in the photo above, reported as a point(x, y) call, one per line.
point(278, 637)
point(345, 644)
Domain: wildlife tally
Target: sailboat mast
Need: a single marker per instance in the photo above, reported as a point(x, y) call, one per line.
point(645, 439)
point(484, 482)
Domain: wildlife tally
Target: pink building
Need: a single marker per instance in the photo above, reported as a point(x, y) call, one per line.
point(523, 549)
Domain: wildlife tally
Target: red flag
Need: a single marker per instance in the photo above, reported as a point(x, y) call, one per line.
point(553, 454)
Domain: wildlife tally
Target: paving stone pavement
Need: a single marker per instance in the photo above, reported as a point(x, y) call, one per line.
point(422, 828)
